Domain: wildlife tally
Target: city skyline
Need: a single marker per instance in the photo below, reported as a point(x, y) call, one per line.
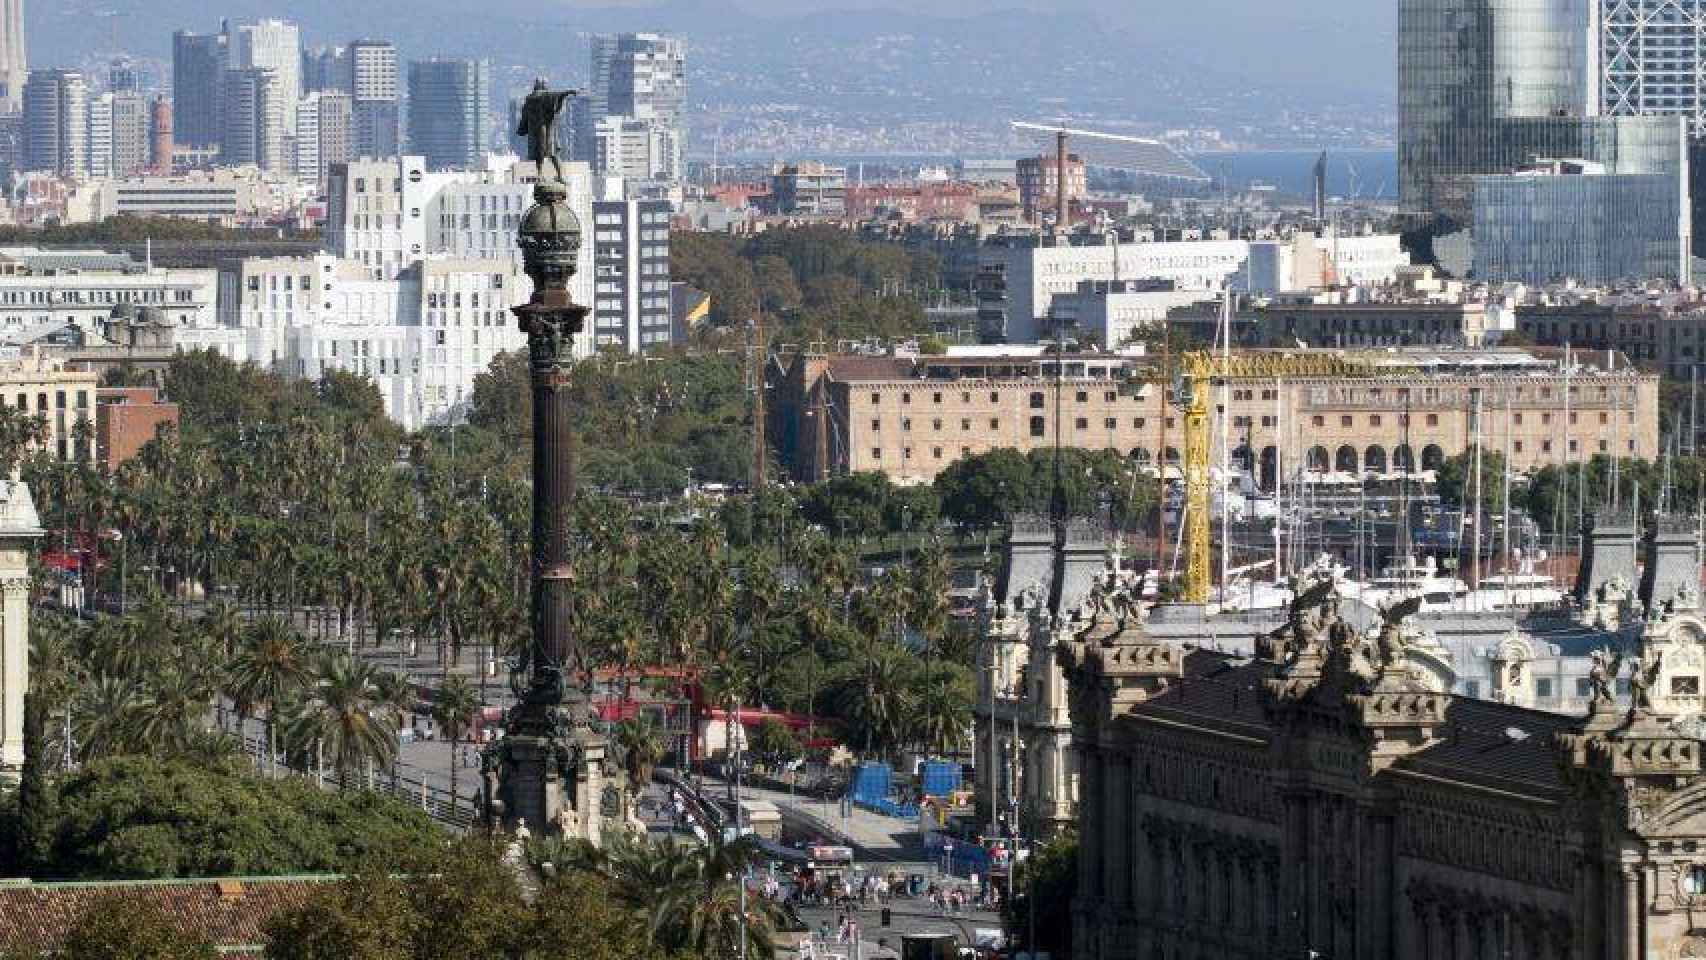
point(733, 73)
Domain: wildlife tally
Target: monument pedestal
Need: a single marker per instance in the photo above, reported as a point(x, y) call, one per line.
point(549, 773)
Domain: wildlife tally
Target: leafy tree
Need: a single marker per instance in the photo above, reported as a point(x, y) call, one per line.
point(35, 794)
point(465, 905)
point(1052, 873)
point(780, 291)
point(1456, 480)
point(469, 906)
point(774, 742)
point(121, 927)
point(855, 505)
point(986, 489)
point(577, 917)
point(365, 916)
point(351, 396)
point(142, 818)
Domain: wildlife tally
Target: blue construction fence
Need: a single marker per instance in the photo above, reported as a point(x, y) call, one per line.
point(873, 786)
point(957, 857)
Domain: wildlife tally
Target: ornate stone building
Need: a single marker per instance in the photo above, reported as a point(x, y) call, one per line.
point(1323, 798)
point(19, 527)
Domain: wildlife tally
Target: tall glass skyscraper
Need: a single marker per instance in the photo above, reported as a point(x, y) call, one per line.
point(1464, 67)
point(198, 79)
point(639, 77)
point(450, 112)
point(1650, 57)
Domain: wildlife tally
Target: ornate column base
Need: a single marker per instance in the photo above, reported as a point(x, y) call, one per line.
point(550, 773)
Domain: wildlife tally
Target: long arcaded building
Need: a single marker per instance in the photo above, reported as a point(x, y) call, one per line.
point(909, 417)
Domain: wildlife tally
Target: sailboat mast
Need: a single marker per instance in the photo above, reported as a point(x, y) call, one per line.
point(1225, 456)
point(1505, 563)
point(1475, 550)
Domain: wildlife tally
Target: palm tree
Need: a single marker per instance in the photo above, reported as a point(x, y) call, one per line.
point(453, 711)
point(103, 717)
point(273, 666)
point(344, 720)
point(873, 693)
point(690, 894)
point(176, 702)
point(396, 694)
point(942, 708)
point(642, 749)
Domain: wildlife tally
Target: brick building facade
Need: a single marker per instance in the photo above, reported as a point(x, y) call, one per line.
point(910, 417)
point(126, 418)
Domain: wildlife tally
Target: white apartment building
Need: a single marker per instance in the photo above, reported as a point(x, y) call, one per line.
point(1019, 278)
point(100, 136)
point(421, 336)
point(1105, 314)
point(635, 149)
point(41, 288)
point(386, 214)
point(305, 162)
point(1305, 261)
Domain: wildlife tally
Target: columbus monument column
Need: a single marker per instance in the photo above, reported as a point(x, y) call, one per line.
point(548, 771)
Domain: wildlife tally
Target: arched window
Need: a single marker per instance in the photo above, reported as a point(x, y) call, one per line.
point(1432, 457)
point(1403, 460)
point(1345, 461)
point(1318, 459)
point(1374, 459)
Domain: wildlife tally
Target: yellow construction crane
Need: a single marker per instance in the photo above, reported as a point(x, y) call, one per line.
point(1197, 372)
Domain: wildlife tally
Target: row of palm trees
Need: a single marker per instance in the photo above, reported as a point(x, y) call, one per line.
point(327, 525)
point(157, 682)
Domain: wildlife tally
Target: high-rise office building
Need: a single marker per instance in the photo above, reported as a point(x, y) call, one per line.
point(325, 68)
point(1649, 57)
point(198, 79)
point(373, 86)
point(118, 134)
point(323, 130)
point(56, 122)
point(275, 45)
point(641, 76)
point(254, 108)
point(1460, 74)
point(99, 137)
point(123, 76)
point(631, 296)
point(449, 112)
point(14, 69)
point(132, 126)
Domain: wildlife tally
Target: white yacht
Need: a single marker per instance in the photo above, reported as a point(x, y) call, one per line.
point(1407, 577)
point(1519, 589)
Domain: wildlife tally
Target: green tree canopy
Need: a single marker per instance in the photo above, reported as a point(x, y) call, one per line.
point(141, 818)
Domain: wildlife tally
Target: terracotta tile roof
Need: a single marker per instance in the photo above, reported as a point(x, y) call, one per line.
point(229, 911)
